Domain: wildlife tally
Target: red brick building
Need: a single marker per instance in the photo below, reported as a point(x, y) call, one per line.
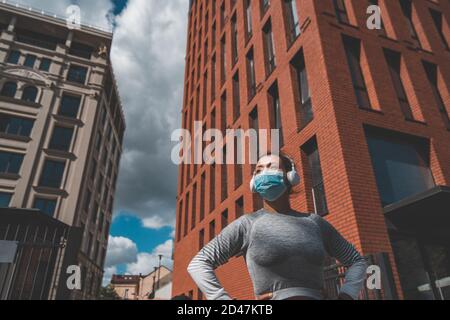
point(364, 113)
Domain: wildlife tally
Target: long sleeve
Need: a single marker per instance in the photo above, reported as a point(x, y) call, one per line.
point(338, 247)
point(232, 241)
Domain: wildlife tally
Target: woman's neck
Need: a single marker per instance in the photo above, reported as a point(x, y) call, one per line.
point(281, 205)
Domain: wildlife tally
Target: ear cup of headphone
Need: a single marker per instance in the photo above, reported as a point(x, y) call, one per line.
point(293, 178)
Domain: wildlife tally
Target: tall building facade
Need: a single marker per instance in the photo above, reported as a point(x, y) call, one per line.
point(61, 129)
point(363, 112)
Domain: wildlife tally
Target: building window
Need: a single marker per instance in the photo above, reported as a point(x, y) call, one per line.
point(236, 97)
point(194, 207)
point(401, 165)
point(15, 126)
point(69, 106)
point(30, 61)
point(304, 108)
point(223, 57)
point(394, 62)
point(265, 4)
point(432, 75)
point(45, 64)
point(293, 25)
point(37, 39)
point(213, 78)
point(251, 75)
point(29, 94)
point(274, 99)
point(213, 35)
point(222, 16)
point(315, 170)
point(406, 6)
point(61, 139)
point(10, 162)
point(341, 11)
point(269, 48)
point(224, 219)
point(52, 174)
point(81, 50)
point(9, 89)
point(437, 19)
point(45, 205)
point(352, 48)
point(234, 39)
point(5, 199)
point(77, 74)
point(375, 3)
point(238, 160)
point(202, 197)
point(223, 113)
point(224, 176)
point(212, 230)
point(186, 214)
point(14, 57)
point(212, 196)
point(180, 217)
point(254, 124)
point(248, 19)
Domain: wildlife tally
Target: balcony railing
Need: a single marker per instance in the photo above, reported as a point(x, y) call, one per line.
point(334, 275)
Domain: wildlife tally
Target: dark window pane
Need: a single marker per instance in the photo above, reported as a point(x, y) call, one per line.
point(30, 94)
point(30, 61)
point(353, 51)
point(5, 199)
point(293, 20)
point(81, 50)
point(15, 125)
point(14, 57)
point(52, 174)
point(304, 106)
point(341, 11)
point(37, 39)
point(45, 64)
point(9, 89)
point(61, 139)
point(69, 106)
point(45, 205)
point(10, 162)
point(401, 165)
point(320, 203)
point(77, 74)
point(394, 62)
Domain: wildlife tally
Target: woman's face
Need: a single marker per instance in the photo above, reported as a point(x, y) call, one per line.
point(271, 162)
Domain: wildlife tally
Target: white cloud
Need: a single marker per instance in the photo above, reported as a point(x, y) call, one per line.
point(148, 58)
point(146, 262)
point(155, 222)
point(109, 272)
point(120, 251)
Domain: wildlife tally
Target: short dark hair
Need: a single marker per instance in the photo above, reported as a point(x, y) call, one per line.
point(285, 160)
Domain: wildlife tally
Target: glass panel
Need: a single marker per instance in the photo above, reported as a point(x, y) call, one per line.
point(401, 167)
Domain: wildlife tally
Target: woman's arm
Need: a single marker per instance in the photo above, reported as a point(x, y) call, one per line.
point(232, 241)
point(338, 247)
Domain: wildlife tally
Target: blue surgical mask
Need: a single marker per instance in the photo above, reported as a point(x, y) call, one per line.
point(270, 185)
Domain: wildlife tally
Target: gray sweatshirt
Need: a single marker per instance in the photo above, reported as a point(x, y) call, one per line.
point(284, 253)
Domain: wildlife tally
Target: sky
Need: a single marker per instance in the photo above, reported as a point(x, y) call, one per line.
point(148, 60)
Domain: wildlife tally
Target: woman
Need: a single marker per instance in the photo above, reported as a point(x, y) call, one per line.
point(284, 250)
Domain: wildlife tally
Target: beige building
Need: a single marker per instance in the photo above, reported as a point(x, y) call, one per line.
point(61, 128)
point(144, 287)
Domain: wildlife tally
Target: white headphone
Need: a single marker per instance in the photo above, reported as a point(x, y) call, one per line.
point(292, 177)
